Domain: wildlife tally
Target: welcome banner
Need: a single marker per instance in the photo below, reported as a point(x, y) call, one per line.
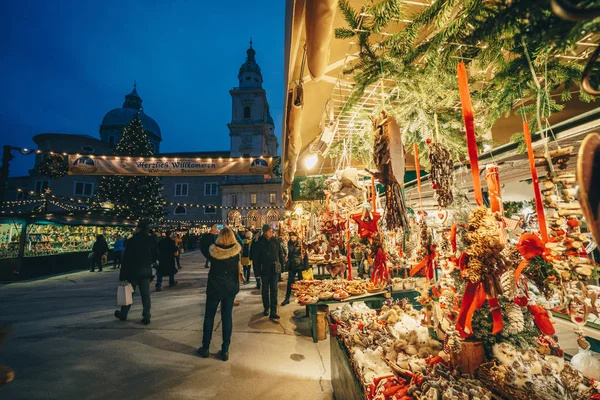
point(112, 165)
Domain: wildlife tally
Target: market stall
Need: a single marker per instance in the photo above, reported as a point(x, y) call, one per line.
point(32, 247)
point(496, 235)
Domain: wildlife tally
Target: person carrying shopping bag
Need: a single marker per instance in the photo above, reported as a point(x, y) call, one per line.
point(140, 253)
point(223, 285)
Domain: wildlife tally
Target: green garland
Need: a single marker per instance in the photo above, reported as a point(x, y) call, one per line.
point(482, 326)
point(54, 166)
point(505, 43)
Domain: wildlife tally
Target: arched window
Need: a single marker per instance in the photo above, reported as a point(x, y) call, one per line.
point(247, 112)
point(180, 210)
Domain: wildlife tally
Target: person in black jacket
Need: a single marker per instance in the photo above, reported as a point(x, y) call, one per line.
point(208, 239)
point(223, 284)
point(254, 255)
point(140, 253)
point(100, 247)
point(295, 264)
point(166, 261)
point(269, 259)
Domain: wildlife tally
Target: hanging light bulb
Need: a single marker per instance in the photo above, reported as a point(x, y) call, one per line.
point(310, 161)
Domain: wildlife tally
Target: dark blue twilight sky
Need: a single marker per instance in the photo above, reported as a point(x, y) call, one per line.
point(65, 63)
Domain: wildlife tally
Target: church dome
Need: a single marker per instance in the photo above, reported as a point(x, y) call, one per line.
point(121, 117)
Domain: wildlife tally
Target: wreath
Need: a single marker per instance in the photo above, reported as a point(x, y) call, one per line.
point(53, 166)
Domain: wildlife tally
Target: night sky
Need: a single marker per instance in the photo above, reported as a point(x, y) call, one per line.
point(66, 63)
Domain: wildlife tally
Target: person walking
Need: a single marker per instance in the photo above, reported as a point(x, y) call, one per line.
point(208, 239)
point(140, 253)
point(100, 247)
point(254, 257)
point(118, 247)
point(246, 262)
point(269, 258)
point(167, 250)
point(295, 265)
point(179, 243)
point(223, 285)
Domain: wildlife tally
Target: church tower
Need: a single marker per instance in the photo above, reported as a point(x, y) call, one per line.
point(251, 129)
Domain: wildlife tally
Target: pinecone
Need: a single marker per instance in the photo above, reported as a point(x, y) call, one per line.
point(508, 284)
point(516, 321)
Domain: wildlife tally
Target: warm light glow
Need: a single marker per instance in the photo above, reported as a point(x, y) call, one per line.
point(298, 211)
point(311, 160)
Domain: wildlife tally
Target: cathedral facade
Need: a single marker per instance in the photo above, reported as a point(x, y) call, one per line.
point(236, 200)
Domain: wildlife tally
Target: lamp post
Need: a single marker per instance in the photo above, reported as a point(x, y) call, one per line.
point(7, 157)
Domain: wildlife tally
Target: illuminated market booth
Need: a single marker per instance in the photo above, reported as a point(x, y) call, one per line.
point(440, 165)
point(40, 245)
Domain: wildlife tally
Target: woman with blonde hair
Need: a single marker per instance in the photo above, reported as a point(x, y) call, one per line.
point(223, 284)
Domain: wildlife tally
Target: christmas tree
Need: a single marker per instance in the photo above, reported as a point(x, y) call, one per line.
point(137, 197)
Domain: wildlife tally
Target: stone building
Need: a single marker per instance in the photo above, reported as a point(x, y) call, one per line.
point(202, 199)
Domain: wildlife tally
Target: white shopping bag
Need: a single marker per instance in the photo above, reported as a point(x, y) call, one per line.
point(125, 295)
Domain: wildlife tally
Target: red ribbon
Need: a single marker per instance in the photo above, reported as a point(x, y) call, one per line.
point(452, 237)
point(380, 271)
point(530, 245)
point(467, 111)
point(348, 258)
point(473, 299)
point(539, 206)
point(426, 262)
point(542, 319)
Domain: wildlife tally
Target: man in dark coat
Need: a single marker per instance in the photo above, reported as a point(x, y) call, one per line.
point(254, 256)
point(295, 263)
point(140, 253)
point(208, 239)
point(166, 261)
point(269, 259)
point(100, 247)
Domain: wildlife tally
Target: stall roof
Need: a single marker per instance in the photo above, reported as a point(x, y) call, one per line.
point(328, 95)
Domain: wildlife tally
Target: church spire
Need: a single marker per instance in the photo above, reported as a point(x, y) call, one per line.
point(250, 52)
point(133, 99)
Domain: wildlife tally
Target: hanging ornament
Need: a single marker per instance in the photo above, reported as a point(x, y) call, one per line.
point(508, 284)
point(388, 156)
point(54, 166)
point(516, 321)
point(441, 173)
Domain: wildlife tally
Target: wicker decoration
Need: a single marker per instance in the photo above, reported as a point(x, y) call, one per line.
point(388, 156)
point(54, 166)
point(516, 322)
point(441, 173)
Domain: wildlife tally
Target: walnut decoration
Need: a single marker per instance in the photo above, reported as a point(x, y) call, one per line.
point(441, 173)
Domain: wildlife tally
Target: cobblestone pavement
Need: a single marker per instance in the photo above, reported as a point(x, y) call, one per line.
point(66, 343)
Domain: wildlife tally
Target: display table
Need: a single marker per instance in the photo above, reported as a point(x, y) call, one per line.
point(372, 300)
